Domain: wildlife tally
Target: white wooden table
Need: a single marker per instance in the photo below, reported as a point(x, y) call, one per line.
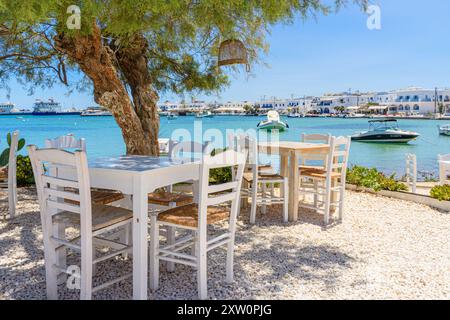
point(138, 176)
point(290, 152)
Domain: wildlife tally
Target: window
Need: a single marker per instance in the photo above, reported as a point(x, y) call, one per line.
point(416, 107)
point(407, 108)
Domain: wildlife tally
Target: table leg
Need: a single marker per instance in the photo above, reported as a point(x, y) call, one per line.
point(293, 187)
point(140, 245)
point(284, 169)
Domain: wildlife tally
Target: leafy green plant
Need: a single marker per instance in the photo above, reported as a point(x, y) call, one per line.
point(25, 175)
point(442, 193)
point(4, 156)
point(373, 179)
point(219, 175)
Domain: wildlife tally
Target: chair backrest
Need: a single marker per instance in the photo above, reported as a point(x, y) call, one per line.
point(53, 189)
point(244, 143)
point(337, 158)
point(188, 149)
point(314, 138)
point(444, 169)
point(212, 195)
point(66, 142)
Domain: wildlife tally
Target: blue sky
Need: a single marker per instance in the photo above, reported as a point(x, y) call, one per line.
point(331, 54)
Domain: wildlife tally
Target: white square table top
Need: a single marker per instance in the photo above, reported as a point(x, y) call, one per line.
point(137, 163)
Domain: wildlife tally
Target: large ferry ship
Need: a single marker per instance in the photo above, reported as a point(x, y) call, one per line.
point(50, 107)
point(6, 107)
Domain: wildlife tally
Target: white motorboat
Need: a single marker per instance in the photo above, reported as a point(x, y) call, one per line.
point(207, 114)
point(444, 130)
point(296, 115)
point(385, 131)
point(273, 122)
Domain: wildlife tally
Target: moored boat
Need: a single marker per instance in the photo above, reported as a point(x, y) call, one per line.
point(273, 122)
point(385, 131)
point(296, 115)
point(207, 114)
point(444, 130)
point(96, 112)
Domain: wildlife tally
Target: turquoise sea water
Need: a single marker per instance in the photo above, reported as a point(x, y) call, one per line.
point(104, 138)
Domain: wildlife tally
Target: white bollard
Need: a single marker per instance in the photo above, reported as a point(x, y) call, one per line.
point(411, 171)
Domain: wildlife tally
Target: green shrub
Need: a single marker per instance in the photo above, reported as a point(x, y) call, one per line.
point(219, 175)
point(25, 175)
point(373, 179)
point(442, 193)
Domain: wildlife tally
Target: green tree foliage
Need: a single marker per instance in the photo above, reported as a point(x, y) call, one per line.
point(176, 41)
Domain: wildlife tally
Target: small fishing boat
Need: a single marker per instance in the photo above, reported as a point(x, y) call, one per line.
point(444, 130)
point(273, 122)
point(172, 116)
point(296, 115)
point(207, 114)
point(385, 131)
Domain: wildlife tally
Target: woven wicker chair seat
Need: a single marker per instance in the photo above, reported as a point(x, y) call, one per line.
point(3, 173)
point(100, 197)
point(248, 176)
point(319, 174)
point(311, 168)
point(102, 216)
point(187, 215)
point(165, 198)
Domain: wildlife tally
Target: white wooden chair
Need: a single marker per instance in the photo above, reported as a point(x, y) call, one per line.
point(91, 220)
point(196, 218)
point(8, 176)
point(69, 142)
point(314, 161)
point(66, 142)
point(327, 183)
point(260, 184)
point(444, 169)
point(166, 199)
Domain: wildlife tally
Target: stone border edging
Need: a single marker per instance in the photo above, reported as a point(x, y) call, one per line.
point(417, 198)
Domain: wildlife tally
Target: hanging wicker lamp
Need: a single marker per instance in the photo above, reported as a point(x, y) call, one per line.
point(231, 52)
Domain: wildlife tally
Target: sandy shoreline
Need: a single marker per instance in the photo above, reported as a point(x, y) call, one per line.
point(385, 249)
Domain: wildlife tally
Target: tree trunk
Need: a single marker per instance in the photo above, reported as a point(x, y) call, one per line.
point(97, 62)
point(132, 61)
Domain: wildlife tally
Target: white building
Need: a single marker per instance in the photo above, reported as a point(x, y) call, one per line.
point(418, 101)
point(168, 106)
point(302, 105)
point(329, 102)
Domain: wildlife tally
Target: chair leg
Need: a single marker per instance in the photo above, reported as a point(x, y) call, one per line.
point(341, 203)
point(286, 200)
point(202, 270)
point(86, 270)
point(230, 261)
point(170, 240)
point(153, 256)
point(316, 196)
point(327, 201)
point(254, 204)
point(264, 197)
point(125, 238)
point(51, 275)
